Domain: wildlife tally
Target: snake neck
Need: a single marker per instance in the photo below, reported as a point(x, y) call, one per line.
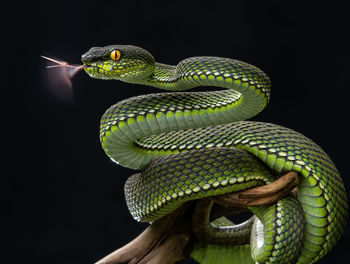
point(163, 77)
point(249, 81)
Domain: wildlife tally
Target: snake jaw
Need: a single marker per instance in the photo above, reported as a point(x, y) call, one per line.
point(102, 71)
point(94, 71)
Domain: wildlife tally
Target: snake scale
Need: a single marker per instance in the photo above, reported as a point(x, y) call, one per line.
point(191, 145)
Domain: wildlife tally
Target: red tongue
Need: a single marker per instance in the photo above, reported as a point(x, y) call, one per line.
point(60, 75)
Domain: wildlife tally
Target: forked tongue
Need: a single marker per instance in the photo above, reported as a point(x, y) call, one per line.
point(59, 77)
point(71, 69)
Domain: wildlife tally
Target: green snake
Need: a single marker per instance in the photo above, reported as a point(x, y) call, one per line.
point(192, 145)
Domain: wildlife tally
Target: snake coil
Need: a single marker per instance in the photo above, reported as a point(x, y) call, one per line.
point(191, 145)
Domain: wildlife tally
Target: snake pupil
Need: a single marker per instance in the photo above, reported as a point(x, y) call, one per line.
point(115, 55)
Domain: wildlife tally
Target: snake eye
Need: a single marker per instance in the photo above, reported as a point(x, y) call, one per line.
point(115, 55)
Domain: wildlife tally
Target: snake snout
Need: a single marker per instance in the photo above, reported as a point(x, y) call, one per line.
point(86, 58)
point(95, 53)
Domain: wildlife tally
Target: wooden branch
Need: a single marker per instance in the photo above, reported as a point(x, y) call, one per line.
point(154, 245)
point(167, 239)
point(263, 195)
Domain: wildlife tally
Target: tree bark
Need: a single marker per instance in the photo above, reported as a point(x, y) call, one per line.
point(263, 195)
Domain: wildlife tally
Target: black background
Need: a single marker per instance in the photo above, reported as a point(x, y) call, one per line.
point(64, 199)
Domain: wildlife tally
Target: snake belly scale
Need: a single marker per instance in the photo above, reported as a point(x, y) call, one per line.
point(192, 145)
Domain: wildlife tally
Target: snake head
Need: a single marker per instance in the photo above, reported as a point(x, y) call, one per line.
point(122, 62)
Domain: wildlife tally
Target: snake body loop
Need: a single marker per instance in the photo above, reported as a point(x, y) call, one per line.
point(194, 145)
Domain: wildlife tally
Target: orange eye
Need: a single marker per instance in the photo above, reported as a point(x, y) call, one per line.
point(115, 55)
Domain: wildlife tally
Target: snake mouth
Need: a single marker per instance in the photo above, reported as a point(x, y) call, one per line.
point(95, 66)
point(90, 65)
point(97, 71)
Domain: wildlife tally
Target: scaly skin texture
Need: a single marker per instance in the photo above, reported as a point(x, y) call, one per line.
point(194, 145)
point(213, 254)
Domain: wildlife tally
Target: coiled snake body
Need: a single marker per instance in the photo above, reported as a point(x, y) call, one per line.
point(191, 145)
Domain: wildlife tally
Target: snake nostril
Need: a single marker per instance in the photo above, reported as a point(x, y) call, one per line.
point(85, 58)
